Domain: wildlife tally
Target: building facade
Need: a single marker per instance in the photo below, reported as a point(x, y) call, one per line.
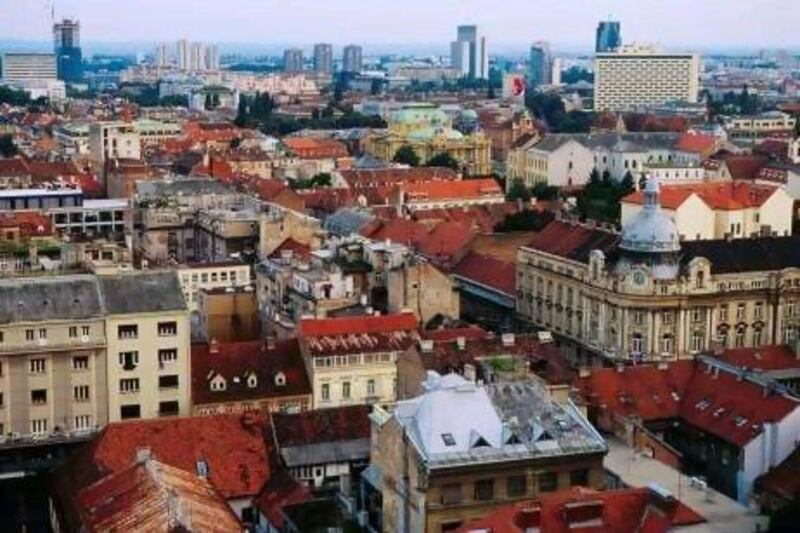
point(67, 47)
point(323, 58)
point(609, 36)
point(352, 60)
point(470, 54)
point(25, 67)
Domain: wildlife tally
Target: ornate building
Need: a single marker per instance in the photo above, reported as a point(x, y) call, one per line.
point(427, 129)
point(645, 295)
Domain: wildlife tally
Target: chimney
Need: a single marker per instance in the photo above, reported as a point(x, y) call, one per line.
point(213, 346)
point(620, 367)
point(507, 339)
point(270, 342)
point(143, 454)
point(461, 342)
point(584, 372)
point(426, 345)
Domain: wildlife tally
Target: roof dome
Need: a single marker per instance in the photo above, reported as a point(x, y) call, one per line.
point(650, 231)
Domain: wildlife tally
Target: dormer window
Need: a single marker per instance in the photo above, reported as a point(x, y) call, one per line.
point(252, 381)
point(218, 383)
point(448, 439)
point(280, 379)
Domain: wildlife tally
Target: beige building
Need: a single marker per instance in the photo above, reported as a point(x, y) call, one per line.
point(762, 126)
point(429, 131)
point(112, 140)
point(352, 360)
point(645, 295)
point(196, 277)
point(642, 75)
point(720, 210)
point(75, 349)
point(423, 289)
point(560, 161)
point(460, 450)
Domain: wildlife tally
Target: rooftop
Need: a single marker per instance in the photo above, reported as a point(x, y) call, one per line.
point(142, 292)
point(730, 195)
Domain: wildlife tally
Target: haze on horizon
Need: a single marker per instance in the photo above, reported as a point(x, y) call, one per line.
point(677, 24)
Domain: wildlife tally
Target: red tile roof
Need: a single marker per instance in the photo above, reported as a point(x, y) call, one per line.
point(633, 510)
point(714, 401)
point(30, 223)
point(744, 167)
point(15, 167)
point(696, 142)
point(235, 361)
point(382, 177)
point(451, 190)
point(729, 195)
point(297, 250)
point(398, 230)
point(281, 491)
point(315, 147)
point(451, 334)
point(146, 497)
point(358, 325)
point(489, 271)
point(322, 426)
point(766, 358)
point(783, 480)
point(446, 243)
point(360, 334)
point(573, 241)
point(328, 199)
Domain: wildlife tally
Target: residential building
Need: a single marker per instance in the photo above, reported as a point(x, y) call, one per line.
point(446, 194)
point(352, 60)
point(555, 160)
point(226, 233)
point(470, 54)
point(113, 140)
point(429, 131)
point(229, 315)
point(148, 344)
point(325, 448)
point(540, 65)
point(196, 277)
point(712, 419)
point(505, 127)
point(422, 287)
point(197, 57)
point(637, 75)
point(235, 377)
point(609, 36)
point(352, 360)
point(67, 48)
point(645, 295)
point(752, 128)
point(108, 218)
point(21, 67)
point(162, 56)
point(323, 58)
point(435, 470)
point(183, 54)
point(293, 60)
point(731, 209)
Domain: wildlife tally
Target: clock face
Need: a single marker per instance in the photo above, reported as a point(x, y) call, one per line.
point(638, 278)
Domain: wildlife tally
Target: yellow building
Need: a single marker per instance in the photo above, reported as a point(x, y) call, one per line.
point(429, 131)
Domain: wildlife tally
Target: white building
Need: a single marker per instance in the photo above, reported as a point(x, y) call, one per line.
point(183, 54)
point(206, 276)
point(637, 76)
point(470, 54)
point(113, 140)
point(23, 67)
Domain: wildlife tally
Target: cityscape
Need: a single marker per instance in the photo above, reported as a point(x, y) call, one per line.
point(361, 267)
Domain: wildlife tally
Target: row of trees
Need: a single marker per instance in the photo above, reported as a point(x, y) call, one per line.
point(406, 155)
point(323, 179)
point(549, 108)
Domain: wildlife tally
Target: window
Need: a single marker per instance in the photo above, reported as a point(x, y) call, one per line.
point(758, 312)
point(80, 362)
point(326, 392)
point(83, 422)
point(484, 489)
point(42, 334)
point(39, 396)
point(80, 393)
point(723, 313)
point(167, 329)
point(739, 339)
point(167, 382)
point(73, 332)
point(130, 411)
point(638, 318)
point(740, 310)
point(129, 385)
point(548, 481)
point(666, 344)
point(128, 360)
point(757, 337)
point(29, 335)
point(2, 337)
point(452, 494)
point(167, 355)
point(170, 408)
point(86, 330)
point(637, 344)
point(37, 366)
point(130, 331)
point(697, 341)
point(666, 318)
point(516, 486)
point(223, 276)
point(579, 478)
point(39, 426)
point(370, 387)
point(697, 314)
point(448, 439)
point(346, 390)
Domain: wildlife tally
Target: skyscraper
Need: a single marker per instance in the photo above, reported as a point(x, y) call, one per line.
point(352, 59)
point(67, 47)
point(293, 60)
point(197, 57)
point(323, 58)
point(469, 53)
point(212, 57)
point(162, 55)
point(540, 64)
point(183, 54)
point(609, 36)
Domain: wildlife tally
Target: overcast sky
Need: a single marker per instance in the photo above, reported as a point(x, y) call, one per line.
point(686, 24)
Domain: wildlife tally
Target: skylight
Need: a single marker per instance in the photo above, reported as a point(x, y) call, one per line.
point(448, 439)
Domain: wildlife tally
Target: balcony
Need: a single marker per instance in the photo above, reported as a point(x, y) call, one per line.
point(53, 345)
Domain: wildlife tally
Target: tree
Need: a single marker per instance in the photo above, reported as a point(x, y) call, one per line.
point(13, 96)
point(407, 156)
point(518, 191)
point(376, 86)
point(543, 191)
point(7, 146)
point(491, 93)
point(209, 102)
point(526, 220)
point(594, 177)
point(443, 159)
point(627, 183)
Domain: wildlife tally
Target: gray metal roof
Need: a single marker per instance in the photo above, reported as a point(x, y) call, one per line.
point(180, 187)
point(326, 452)
point(142, 292)
point(621, 142)
point(56, 298)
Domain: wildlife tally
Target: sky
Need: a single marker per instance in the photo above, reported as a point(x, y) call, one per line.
point(674, 24)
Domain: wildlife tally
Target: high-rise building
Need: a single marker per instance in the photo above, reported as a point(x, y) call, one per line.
point(323, 58)
point(183, 54)
point(469, 53)
point(540, 64)
point(609, 36)
point(352, 60)
point(67, 47)
point(636, 76)
point(212, 57)
point(24, 67)
point(162, 55)
point(197, 57)
point(293, 60)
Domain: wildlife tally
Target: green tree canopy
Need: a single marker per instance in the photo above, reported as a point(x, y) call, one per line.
point(518, 191)
point(7, 146)
point(443, 159)
point(406, 155)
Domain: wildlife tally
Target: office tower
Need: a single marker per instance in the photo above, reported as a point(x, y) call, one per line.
point(469, 53)
point(636, 76)
point(540, 64)
point(212, 57)
point(183, 54)
point(352, 59)
point(555, 71)
point(323, 58)
point(23, 67)
point(293, 60)
point(162, 55)
point(609, 36)
point(197, 57)
point(67, 47)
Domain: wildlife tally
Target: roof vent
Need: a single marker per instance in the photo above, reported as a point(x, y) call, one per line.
point(143, 454)
point(461, 342)
point(202, 468)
